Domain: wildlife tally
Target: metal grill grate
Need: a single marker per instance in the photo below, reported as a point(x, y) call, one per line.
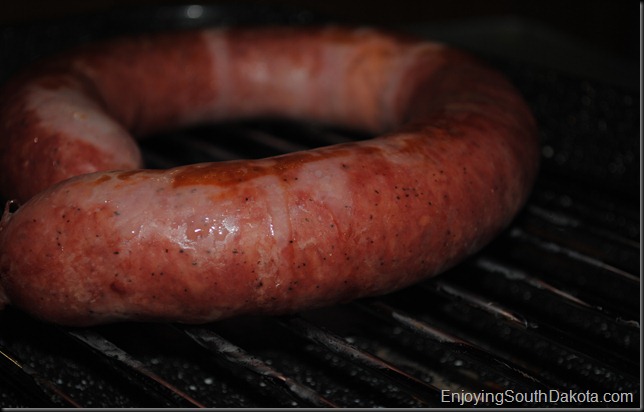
point(552, 304)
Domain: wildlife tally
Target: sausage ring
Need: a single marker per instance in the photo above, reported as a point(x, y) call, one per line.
point(99, 239)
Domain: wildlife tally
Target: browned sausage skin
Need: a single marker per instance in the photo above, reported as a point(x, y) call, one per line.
point(455, 160)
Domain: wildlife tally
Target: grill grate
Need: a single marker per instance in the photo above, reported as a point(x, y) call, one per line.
point(552, 304)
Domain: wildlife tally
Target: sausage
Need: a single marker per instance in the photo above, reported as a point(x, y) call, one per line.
point(99, 239)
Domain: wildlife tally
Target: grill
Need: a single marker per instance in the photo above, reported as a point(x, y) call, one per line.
point(546, 315)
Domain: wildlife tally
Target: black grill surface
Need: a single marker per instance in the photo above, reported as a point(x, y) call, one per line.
point(546, 315)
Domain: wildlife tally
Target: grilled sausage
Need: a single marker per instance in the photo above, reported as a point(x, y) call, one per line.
point(454, 159)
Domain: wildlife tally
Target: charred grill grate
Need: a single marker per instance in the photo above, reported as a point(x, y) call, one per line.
point(551, 305)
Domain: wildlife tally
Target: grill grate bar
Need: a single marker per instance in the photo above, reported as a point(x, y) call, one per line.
point(319, 136)
point(494, 308)
point(236, 355)
point(35, 386)
point(616, 215)
point(214, 143)
point(604, 245)
point(568, 322)
point(565, 220)
point(589, 311)
point(553, 248)
point(588, 278)
point(513, 274)
point(312, 134)
point(484, 358)
point(422, 392)
point(239, 140)
point(273, 141)
point(497, 347)
point(181, 148)
point(526, 322)
point(109, 350)
point(207, 150)
point(561, 360)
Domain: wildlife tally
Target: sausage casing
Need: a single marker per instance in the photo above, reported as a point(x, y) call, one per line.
point(99, 239)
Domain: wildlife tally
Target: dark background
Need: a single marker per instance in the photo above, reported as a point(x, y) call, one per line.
point(610, 25)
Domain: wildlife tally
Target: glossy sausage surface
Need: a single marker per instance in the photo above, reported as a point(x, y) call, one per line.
point(98, 239)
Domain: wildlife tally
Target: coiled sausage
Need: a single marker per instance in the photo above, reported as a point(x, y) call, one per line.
point(99, 239)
